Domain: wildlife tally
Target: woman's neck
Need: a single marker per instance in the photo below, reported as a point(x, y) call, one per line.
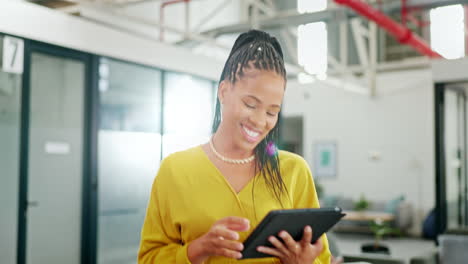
point(223, 143)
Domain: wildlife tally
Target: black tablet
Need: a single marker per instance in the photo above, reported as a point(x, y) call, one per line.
point(293, 221)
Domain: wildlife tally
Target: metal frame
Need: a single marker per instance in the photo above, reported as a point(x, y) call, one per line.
point(440, 157)
point(462, 171)
point(90, 193)
point(440, 183)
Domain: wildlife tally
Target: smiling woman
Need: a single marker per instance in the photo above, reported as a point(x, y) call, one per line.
point(206, 200)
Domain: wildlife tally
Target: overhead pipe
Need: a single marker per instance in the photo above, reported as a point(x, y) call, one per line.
point(407, 17)
point(161, 16)
point(401, 33)
point(404, 13)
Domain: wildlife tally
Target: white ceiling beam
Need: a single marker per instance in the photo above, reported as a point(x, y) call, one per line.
point(361, 46)
point(211, 15)
point(372, 72)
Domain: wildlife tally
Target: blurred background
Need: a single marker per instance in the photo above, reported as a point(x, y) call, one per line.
point(95, 93)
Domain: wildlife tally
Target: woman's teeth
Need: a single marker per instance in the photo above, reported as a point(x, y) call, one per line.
point(251, 133)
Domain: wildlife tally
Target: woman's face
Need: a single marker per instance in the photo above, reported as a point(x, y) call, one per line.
point(250, 106)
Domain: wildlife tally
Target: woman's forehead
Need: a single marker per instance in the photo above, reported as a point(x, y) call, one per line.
point(262, 84)
point(261, 78)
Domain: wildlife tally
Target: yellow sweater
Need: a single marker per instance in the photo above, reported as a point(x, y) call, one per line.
point(189, 194)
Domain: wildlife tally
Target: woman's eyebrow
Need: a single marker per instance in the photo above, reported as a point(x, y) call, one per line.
point(259, 101)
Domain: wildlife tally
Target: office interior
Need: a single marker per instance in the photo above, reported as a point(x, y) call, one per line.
point(95, 93)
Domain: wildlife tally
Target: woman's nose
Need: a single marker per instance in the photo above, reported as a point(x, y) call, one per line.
point(258, 119)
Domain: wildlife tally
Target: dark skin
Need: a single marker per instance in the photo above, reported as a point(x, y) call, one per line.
point(250, 109)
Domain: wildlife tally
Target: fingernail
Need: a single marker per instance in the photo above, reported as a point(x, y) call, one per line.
point(235, 236)
point(260, 249)
point(239, 255)
point(271, 239)
point(282, 234)
point(308, 228)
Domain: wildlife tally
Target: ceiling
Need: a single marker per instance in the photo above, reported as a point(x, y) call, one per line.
point(211, 26)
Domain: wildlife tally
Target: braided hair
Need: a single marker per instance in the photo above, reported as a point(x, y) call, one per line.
point(261, 51)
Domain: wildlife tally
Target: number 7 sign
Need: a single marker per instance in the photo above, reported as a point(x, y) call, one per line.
point(13, 54)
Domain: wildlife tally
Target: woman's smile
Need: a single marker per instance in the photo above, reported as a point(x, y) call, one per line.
point(251, 135)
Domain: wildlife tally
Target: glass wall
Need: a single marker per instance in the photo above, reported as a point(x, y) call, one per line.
point(135, 104)
point(188, 111)
point(55, 158)
point(10, 106)
point(456, 179)
point(129, 152)
point(132, 110)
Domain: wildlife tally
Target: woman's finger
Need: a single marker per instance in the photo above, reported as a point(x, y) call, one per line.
point(228, 253)
point(307, 236)
point(228, 244)
point(235, 223)
point(220, 231)
point(270, 251)
point(289, 241)
point(278, 245)
point(319, 244)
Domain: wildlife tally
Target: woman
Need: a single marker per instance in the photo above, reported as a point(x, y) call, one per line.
point(206, 200)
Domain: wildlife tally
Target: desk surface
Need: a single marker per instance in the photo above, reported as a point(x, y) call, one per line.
point(368, 216)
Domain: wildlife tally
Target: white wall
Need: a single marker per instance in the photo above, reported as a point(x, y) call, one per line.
point(449, 70)
point(39, 23)
point(398, 124)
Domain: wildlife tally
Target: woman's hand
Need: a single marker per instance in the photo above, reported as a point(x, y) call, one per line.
point(220, 240)
point(292, 252)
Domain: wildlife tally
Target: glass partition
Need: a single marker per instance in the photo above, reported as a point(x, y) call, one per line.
point(456, 180)
point(188, 111)
point(129, 153)
point(10, 114)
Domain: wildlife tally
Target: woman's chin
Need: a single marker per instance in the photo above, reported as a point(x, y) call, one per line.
point(249, 145)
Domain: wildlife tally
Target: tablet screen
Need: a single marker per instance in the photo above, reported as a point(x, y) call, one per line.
point(292, 221)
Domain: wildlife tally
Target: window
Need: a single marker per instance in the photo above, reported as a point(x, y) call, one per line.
point(129, 152)
point(312, 40)
point(304, 6)
point(188, 111)
point(449, 43)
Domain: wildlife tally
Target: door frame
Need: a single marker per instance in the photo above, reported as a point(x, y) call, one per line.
point(441, 212)
point(89, 165)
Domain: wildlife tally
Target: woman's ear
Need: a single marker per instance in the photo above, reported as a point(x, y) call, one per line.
point(222, 90)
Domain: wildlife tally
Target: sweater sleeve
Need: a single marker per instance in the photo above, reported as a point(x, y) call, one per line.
point(305, 196)
point(160, 237)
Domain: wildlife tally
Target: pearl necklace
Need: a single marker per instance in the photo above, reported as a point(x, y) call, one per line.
point(228, 160)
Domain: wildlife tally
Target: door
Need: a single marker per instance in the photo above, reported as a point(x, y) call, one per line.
point(455, 156)
point(451, 157)
point(54, 184)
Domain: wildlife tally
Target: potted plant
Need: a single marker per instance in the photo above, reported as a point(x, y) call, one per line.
point(362, 204)
point(380, 229)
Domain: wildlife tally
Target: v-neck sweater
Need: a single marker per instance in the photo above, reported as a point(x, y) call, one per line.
point(189, 194)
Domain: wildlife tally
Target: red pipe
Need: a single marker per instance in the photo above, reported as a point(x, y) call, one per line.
point(404, 12)
point(161, 15)
point(401, 33)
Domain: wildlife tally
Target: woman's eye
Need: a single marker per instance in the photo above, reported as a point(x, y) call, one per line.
point(250, 106)
point(271, 114)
